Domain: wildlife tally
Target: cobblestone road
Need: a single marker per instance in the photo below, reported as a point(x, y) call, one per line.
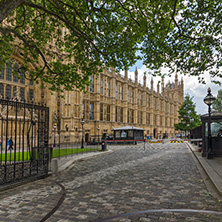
point(158, 183)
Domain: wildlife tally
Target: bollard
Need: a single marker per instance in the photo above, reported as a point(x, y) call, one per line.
point(104, 146)
point(55, 168)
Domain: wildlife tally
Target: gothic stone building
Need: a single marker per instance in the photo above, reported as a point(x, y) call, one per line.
point(112, 101)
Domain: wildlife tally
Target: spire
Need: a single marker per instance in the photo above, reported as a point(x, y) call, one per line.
point(176, 80)
point(162, 85)
point(144, 80)
point(136, 75)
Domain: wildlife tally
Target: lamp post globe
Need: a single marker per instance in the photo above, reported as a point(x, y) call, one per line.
point(209, 100)
point(82, 122)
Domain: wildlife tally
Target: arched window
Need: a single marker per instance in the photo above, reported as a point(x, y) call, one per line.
point(2, 90)
point(31, 94)
point(31, 83)
point(8, 92)
point(1, 72)
point(9, 72)
point(22, 74)
point(15, 69)
point(22, 93)
point(14, 91)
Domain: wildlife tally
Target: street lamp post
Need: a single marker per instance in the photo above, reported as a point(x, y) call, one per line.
point(98, 134)
point(209, 100)
point(54, 133)
point(82, 122)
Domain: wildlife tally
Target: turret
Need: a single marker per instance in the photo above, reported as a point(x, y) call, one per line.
point(176, 80)
point(152, 83)
point(136, 76)
point(158, 87)
point(162, 85)
point(144, 80)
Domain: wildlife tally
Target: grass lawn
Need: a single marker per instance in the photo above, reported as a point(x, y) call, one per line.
point(19, 156)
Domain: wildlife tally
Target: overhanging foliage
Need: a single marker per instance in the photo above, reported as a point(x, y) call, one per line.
point(63, 38)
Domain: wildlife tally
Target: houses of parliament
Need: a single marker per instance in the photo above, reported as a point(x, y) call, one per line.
point(111, 101)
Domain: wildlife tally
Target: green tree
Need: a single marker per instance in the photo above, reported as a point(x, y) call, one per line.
point(63, 38)
point(186, 113)
point(217, 105)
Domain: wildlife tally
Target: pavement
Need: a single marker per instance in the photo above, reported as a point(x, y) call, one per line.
point(212, 167)
point(136, 185)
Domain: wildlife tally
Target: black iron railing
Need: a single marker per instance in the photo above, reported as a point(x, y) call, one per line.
point(24, 141)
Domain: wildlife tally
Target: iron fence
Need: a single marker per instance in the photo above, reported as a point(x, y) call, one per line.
point(24, 141)
point(73, 147)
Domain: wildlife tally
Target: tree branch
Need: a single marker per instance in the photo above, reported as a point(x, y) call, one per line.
point(7, 6)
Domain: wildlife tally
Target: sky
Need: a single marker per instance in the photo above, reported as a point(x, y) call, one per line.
point(191, 85)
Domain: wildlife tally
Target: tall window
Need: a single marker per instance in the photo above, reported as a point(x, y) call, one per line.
point(31, 94)
point(121, 115)
point(22, 75)
point(132, 97)
point(121, 93)
point(116, 91)
point(149, 102)
point(148, 119)
point(128, 116)
point(108, 88)
point(108, 112)
point(1, 90)
point(15, 77)
point(22, 93)
point(83, 109)
point(101, 86)
point(116, 114)
point(9, 71)
point(14, 91)
point(132, 116)
point(8, 92)
point(141, 99)
point(31, 82)
point(1, 72)
point(91, 83)
point(101, 112)
point(141, 117)
point(91, 111)
point(128, 95)
point(155, 120)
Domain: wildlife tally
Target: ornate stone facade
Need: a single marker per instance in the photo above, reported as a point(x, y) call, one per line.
point(114, 101)
point(111, 101)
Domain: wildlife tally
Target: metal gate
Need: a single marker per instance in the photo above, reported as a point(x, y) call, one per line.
point(23, 141)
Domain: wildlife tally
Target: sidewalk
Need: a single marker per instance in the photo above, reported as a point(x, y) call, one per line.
point(212, 167)
point(60, 164)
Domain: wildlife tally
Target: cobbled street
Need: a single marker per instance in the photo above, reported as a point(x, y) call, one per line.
point(158, 182)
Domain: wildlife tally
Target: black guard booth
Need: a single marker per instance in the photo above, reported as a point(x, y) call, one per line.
point(216, 142)
point(128, 134)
